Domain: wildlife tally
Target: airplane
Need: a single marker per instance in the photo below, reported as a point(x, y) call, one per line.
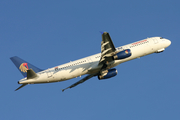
point(100, 65)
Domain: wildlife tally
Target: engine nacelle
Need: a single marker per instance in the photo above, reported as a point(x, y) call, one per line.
point(110, 73)
point(123, 54)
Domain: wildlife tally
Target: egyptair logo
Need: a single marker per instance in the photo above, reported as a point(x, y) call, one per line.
point(126, 51)
point(24, 67)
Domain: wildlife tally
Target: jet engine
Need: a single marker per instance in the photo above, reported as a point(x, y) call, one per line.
point(107, 74)
point(123, 54)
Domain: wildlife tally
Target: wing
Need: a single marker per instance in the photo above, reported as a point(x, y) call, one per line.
point(79, 82)
point(107, 49)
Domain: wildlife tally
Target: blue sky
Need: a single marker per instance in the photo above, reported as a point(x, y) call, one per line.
point(50, 33)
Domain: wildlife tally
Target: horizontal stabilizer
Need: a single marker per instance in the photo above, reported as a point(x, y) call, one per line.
point(31, 74)
point(21, 87)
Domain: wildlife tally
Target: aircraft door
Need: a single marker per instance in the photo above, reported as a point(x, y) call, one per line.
point(89, 60)
point(49, 73)
point(155, 40)
point(125, 47)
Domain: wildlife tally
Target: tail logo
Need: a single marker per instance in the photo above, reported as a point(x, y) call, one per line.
point(24, 67)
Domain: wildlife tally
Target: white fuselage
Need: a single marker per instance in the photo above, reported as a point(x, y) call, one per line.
point(89, 65)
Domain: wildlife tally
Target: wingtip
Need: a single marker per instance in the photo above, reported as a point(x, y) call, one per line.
point(101, 32)
point(62, 90)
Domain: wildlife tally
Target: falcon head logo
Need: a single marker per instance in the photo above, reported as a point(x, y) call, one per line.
point(24, 67)
point(126, 51)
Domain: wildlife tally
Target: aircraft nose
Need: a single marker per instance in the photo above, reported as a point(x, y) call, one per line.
point(168, 42)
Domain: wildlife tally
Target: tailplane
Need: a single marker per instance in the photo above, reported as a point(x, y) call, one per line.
point(30, 75)
point(21, 87)
point(23, 66)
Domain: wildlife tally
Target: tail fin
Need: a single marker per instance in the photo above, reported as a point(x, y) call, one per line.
point(23, 66)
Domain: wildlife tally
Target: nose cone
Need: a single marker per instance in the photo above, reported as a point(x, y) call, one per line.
point(168, 42)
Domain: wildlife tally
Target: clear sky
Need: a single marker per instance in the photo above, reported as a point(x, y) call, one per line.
point(49, 33)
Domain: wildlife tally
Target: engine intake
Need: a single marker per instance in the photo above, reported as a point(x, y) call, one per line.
point(110, 73)
point(123, 54)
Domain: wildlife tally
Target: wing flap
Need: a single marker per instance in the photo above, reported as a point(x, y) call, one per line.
point(107, 42)
point(107, 49)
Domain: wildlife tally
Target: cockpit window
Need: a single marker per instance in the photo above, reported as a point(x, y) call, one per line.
point(161, 38)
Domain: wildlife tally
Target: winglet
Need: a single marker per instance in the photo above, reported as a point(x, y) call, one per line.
point(101, 32)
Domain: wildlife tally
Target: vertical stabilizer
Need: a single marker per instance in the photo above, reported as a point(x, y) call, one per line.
point(23, 66)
